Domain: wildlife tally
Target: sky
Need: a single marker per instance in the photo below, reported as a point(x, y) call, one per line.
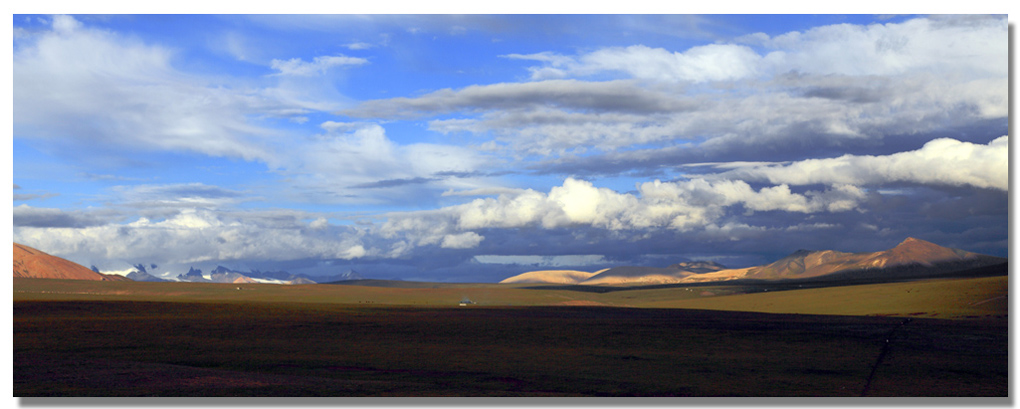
point(470, 148)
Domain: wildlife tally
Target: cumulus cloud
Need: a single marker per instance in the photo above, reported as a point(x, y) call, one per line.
point(681, 206)
point(464, 240)
point(196, 235)
point(943, 161)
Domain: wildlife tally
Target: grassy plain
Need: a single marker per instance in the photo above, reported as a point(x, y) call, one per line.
point(74, 338)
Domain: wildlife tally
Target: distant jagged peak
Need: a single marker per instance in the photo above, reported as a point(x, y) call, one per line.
point(350, 275)
point(803, 254)
point(137, 275)
point(699, 263)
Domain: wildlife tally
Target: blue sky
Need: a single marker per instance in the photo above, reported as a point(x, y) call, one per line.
point(474, 147)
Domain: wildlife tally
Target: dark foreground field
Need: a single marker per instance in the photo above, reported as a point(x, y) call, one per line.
point(136, 348)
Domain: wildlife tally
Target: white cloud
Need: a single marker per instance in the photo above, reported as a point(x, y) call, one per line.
point(357, 45)
point(186, 195)
point(543, 261)
point(318, 66)
point(714, 62)
point(954, 45)
point(829, 87)
point(547, 131)
point(682, 206)
point(90, 87)
point(933, 45)
point(464, 240)
point(85, 87)
point(195, 235)
point(319, 223)
point(236, 45)
point(340, 127)
point(945, 162)
point(360, 156)
point(65, 24)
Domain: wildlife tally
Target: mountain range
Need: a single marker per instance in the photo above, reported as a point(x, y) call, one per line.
point(912, 258)
point(33, 263)
point(222, 274)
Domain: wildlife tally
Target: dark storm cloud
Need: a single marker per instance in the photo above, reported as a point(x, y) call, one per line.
point(25, 216)
point(155, 197)
point(437, 176)
point(394, 183)
point(191, 190)
point(857, 95)
point(33, 196)
point(94, 176)
point(806, 145)
point(475, 174)
point(611, 96)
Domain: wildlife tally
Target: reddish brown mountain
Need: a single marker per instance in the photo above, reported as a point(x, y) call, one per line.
point(917, 251)
point(911, 252)
point(32, 263)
